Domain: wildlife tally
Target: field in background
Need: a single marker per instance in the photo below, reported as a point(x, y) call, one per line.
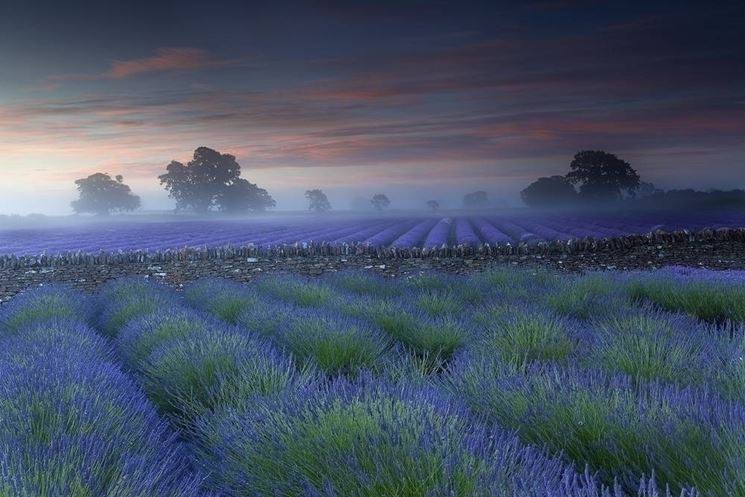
point(505, 382)
point(137, 233)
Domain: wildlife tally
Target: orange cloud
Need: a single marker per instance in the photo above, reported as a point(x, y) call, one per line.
point(165, 59)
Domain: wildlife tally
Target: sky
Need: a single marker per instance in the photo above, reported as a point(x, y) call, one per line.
point(417, 99)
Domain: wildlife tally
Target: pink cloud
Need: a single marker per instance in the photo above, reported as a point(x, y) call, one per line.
point(165, 59)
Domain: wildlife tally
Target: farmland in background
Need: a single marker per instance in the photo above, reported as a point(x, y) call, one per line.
point(398, 231)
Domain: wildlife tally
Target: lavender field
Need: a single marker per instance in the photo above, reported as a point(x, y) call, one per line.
point(391, 231)
point(503, 383)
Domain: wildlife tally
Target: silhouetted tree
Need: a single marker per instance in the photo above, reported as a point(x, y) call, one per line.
point(318, 201)
point(212, 179)
point(244, 196)
point(476, 200)
point(647, 190)
point(548, 192)
point(102, 195)
point(602, 176)
point(380, 201)
point(433, 204)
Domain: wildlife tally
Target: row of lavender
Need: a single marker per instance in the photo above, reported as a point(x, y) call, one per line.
point(374, 232)
point(498, 384)
point(260, 413)
point(631, 375)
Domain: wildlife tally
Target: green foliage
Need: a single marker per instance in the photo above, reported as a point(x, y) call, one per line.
point(709, 300)
point(582, 298)
point(299, 292)
point(225, 303)
point(119, 313)
point(509, 283)
point(621, 431)
point(527, 337)
point(41, 306)
point(365, 284)
point(439, 303)
point(647, 346)
point(142, 336)
point(337, 346)
point(187, 377)
point(345, 445)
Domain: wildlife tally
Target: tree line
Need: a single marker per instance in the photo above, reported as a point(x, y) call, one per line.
point(597, 177)
point(212, 181)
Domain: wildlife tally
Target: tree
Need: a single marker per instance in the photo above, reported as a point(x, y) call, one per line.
point(380, 201)
point(549, 192)
point(476, 200)
point(434, 205)
point(318, 201)
point(244, 196)
point(212, 179)
point(602, 176)
point(102, 195)
point(647, 189)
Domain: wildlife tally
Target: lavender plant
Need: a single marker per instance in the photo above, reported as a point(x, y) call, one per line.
point(709, 297)
point(223, 298)
point(336, 344)
point(43, 303)
point(370, 439)
point(74, 424)
point(125, 299)
point(622, 429)
point(197, 373)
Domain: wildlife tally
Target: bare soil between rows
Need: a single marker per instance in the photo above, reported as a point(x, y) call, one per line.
point(711, 254)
